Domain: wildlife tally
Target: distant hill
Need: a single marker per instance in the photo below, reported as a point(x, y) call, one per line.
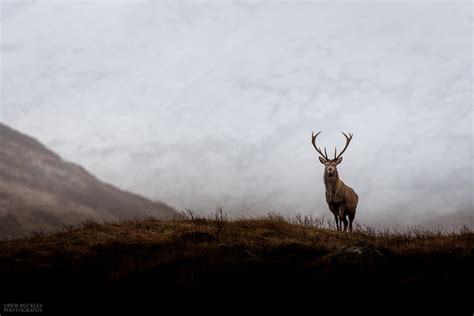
point(40, 191)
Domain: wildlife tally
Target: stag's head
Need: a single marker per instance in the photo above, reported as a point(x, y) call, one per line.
point(330, 164)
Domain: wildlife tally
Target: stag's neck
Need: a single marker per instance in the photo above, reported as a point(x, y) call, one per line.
point(331, 181)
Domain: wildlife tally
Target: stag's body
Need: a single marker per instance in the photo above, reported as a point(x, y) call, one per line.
point(341, 199)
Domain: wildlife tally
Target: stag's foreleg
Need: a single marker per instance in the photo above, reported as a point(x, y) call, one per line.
point(351, 219)
point(334, 211)
point(337, 221)
point(342, 217)
point(344, 220)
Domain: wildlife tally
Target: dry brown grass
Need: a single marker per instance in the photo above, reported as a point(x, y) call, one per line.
point(195, 235)
point(272, 253)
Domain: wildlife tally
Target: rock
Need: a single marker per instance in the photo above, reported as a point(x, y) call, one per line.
point(355, 258)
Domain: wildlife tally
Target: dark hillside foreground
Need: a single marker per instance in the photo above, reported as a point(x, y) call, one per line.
point(197, 263)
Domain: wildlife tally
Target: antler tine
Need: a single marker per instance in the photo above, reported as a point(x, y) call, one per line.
point(313, 141)
point(335, 153)
point(348, 140)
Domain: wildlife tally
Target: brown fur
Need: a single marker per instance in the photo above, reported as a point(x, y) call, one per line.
point(341, 199)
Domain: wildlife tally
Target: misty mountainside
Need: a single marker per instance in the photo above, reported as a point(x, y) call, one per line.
point(40, 191)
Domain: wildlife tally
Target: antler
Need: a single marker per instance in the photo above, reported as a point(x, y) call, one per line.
point(348, 140)
point(313, 140)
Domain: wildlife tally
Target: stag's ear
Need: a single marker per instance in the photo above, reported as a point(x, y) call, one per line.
point(339, 160)
point(323, 161)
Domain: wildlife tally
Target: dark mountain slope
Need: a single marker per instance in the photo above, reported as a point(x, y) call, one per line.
point(40, 191)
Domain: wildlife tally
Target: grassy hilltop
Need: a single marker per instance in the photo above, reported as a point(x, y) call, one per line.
point(273, 254)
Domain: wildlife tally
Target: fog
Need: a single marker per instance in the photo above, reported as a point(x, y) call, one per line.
point(203, 105)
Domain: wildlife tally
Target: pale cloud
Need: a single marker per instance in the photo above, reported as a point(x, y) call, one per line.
point(206, 104)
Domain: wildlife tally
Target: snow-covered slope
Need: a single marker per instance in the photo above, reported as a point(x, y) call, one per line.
point(213, 104)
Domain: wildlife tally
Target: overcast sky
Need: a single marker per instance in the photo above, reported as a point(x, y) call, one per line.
point(212, 104)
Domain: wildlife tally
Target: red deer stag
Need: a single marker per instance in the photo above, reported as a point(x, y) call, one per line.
point(341, 199)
